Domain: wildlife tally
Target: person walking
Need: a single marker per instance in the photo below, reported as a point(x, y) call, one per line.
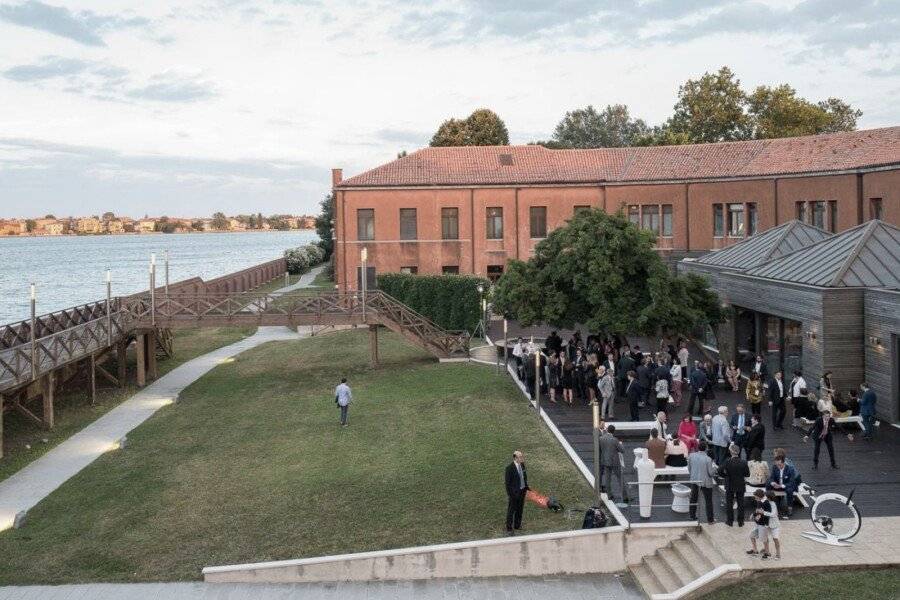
point(343, 397)
point(607, 388)
point(823, 431)
point(735, 471)
point(516, 479)
point(721, 435)
point(703, 471)
point(777, 400)
point(675, 374)
point(867, 410)
point(612, 457)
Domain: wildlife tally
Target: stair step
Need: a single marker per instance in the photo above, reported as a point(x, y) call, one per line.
point(646, 580)
point(668, 581)
point(683, 571)
point(706, 547)
point(693, 557)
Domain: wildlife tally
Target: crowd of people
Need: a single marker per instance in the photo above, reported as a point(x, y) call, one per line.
point(718, 445)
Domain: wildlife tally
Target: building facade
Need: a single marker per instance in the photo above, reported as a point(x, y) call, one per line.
point(470, 209)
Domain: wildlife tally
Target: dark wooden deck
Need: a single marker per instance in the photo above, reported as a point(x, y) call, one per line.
point(870, 469)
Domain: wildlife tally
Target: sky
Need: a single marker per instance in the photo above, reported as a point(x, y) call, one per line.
point(187, 108)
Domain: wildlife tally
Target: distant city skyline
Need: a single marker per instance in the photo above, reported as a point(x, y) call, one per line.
point(188, 108)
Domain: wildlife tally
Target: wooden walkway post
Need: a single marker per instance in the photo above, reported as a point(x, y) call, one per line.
point(93, 379)
point(2, 400)
point(47, 384)
point(141, 348)
point(373, 344)
point(121, 354)
point(152, 370)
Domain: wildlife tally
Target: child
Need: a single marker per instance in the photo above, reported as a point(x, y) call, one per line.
point(774, 525)
point(765, 514)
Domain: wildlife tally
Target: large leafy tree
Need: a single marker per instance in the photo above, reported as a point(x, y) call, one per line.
point(612, 127)
point(778, 112)
point(482, 128)
point(602, 271)
point(711, 109)
point(325, 225)
point(843, 117)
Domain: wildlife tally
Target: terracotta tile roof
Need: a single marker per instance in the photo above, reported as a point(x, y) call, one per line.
point(486, 165)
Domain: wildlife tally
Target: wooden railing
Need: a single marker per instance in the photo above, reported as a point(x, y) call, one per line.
point(19, 333)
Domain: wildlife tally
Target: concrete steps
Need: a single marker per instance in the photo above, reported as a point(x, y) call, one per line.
point(682, 568)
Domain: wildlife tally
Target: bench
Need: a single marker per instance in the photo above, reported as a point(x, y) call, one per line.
point(802, 495)
point(632, 425)
point(671, 471)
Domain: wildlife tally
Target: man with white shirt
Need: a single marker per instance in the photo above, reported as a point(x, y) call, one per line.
point(798, 393)
point(760, 368)
point(516, 480)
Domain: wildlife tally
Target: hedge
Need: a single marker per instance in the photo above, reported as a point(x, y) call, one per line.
point(299, 260)
point(451, 301)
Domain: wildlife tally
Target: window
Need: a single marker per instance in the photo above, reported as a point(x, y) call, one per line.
point(450, 269)
point(634, 215)
point(408, 224)
point(538, 218)
point(365, 224)
point(581, 209)
point(409, 270)
point(832, 216)
point(666, 220)
point(450, 223)
point(718, 221)
point(494, 272)
point(736, 220)
point(801, 212)
point(875, 208)
point(818, 214)
point(650, 217)
point(752, 219)
point(494, 223)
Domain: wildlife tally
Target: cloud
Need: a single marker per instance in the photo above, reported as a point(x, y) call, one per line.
point(885, 71)
point(172, 87)
point(403, 137)
point(48, 67)
point(84, 27)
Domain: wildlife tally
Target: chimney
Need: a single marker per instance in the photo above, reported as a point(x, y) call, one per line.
point(337, 175)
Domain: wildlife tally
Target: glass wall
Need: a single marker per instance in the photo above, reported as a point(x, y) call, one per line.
point(779, 341)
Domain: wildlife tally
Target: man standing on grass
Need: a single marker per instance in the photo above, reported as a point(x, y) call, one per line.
point(516, 479)
point(342, 397)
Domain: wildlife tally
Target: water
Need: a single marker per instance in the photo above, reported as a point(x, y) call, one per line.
point(70, 270)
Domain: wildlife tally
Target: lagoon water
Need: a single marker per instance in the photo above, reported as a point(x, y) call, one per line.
point(71, 270)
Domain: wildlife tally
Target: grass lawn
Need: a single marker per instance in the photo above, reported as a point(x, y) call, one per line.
point(858, 585)
point(73, 410)
point(252, 465)
point(322, 280)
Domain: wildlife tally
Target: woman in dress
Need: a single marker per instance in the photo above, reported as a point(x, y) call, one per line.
point(754, 394)
point(733, 375)
point(687, 432)
point(554, 376)
point(568, 380)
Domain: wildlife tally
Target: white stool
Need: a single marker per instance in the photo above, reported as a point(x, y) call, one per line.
point(681, 498)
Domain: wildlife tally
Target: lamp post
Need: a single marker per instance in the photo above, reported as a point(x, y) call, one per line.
point(596, 409)
point(153, 290)
point(108, 307)
point(363, 257)
point(166, 258)
point(34, 368)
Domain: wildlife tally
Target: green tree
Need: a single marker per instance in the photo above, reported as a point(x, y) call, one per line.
point(220, 221)
point(108, 216)
point(197, 225)
point(777, 112)
point(259, 220)
point(482, 128)
point(402, 154)
point(613, 127)
point(49, 216)
point(711, 109)
point(602, 271)
point(325, 225)
point(251, 222)
point(551, 144)
point(30, 225)
point(843, 116)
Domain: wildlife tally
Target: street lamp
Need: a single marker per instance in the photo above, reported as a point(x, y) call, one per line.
point(108, 307)
point(34, 368)
point(153, 289)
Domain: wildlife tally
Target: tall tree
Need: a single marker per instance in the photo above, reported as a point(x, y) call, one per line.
point(220, 221)
point(602, 271)
point(613, 127)
point(711, 109)
point(325, 225)
point(843, 116)
point(778, 112)
point(482, 128)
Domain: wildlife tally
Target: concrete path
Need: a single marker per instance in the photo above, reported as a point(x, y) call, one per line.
point(581, 587)
point(24, 489)
point(305, 281)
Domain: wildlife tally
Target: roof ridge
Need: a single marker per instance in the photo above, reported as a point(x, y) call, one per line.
point(860, 244)
point(786, 229)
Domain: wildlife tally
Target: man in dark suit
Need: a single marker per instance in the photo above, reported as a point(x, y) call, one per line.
point(783, 478)
point(516, 485)
point(554, 342)
point(756, 437)
point(735, 471)
point(645, 378)
point(699, 383)
point(823, 431)
point(740, 425)
point(626, 363)
point(633, 396)
point(777, 400)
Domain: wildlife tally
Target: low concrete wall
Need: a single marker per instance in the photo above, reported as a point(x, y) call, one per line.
point(608, 550)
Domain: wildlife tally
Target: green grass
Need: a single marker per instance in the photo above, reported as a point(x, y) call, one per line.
point(322, 280)
point(855, 584)
point(252, 465)
point(23, 440)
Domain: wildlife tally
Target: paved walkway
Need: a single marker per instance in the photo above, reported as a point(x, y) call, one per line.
point(23, 490)
point(581, 587)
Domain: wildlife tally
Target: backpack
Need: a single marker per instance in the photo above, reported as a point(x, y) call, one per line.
point(594, 518)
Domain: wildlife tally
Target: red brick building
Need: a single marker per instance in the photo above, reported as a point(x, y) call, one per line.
point(470, 209)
